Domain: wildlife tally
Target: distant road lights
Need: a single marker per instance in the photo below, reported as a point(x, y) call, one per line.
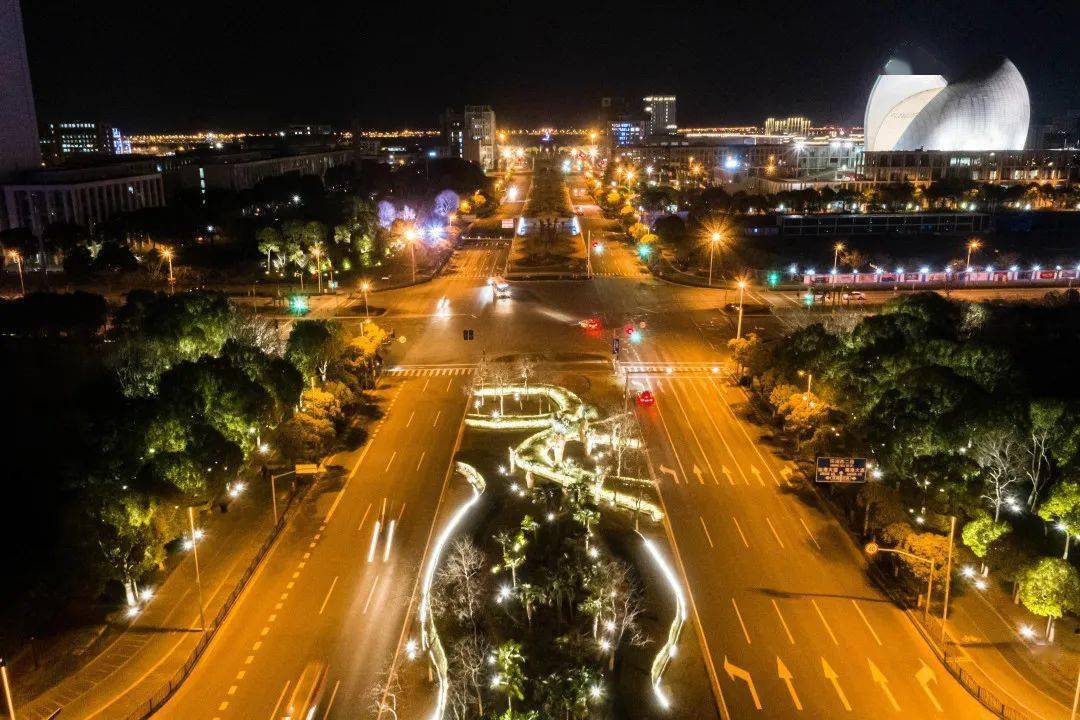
point(972, 245)
point(296, 199)
point(1026, 632)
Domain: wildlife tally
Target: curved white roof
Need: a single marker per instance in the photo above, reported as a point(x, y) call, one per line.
point(912, 112)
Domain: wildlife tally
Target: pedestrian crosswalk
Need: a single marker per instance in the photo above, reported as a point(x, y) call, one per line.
point(406, 371)
point(672, 369)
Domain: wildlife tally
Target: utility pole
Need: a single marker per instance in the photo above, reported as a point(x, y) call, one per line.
point(7, 690)
point(948, 580)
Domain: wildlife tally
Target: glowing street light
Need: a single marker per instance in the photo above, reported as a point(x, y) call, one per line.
point(17, 259)
point(715, 238)
point(972, 245)
point(809, 379)
point(167, 254)
point(195, 536)
point(742, 288)
point(365, 287)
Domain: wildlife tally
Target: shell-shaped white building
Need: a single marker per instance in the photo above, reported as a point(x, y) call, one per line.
point(926, 112)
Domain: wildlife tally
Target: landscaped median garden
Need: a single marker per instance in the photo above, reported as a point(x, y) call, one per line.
point(546, 592)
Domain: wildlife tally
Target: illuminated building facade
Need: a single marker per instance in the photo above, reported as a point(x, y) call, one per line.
point(909, 111)
point(660, 118)
point(799, 126)
point(63, 140)
point(479, 141)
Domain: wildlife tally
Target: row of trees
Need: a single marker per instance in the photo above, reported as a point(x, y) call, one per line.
point(965, 409)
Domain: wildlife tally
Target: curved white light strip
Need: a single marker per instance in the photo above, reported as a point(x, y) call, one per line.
point(667, 651)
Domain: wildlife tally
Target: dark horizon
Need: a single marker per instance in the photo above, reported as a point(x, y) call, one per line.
point(206, 66)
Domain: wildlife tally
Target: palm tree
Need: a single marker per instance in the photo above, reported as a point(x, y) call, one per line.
point(269, 242)
point(511, 676)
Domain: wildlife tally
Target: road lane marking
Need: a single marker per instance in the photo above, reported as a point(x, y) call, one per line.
point(256, 646)
point(249, 659)
point(672, 473)
point(880, 679)
point(810, 534)
point(775, 534)
point(401, 512)
point(224, 704)
point(757, 473)
point(265, 631)
point(707, 536)
point(240, 675)
point(719, 433)
point(330, 702)
point(832, 677)
point(784, 674)
point(741, 533)
point(364, 519)
point(327, 598)
point(741, 623)
point(437, 414)
point(426, 382)
point(273, 713)
point(925, 676)
point(409, 421)
point(824, 622)
point(421, 461)
point(449, 383)
point(232, 689)
point(734, 671)
point(697, 472)
point(370, 595)
point(391, 461)
point(868, 626)
point(697, 440)
point(783, 622)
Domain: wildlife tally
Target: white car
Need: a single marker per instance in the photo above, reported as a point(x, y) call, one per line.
point(499, 287)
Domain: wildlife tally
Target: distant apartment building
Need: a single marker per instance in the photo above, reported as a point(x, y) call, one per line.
point(83, 197)
point(798, 126)
point(19, 149)
point(61, 141)
point(452, 133)
point(624, 133)
point(479, 140)
point(660, 118)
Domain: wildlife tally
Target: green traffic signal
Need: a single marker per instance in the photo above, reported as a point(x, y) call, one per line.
point(298, 304)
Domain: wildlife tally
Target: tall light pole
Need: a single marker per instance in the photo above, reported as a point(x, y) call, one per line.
point(7, 690)
point(742, 287)
point(318, 265)
point(195, 555)
point(972, 245)
point(168, 257)
point(948, 579)
point(365, 286)
point(873, 549)
point(837, 249)
point(14, 255)
point(714, 239)
point(410, 240)
point(809, 378)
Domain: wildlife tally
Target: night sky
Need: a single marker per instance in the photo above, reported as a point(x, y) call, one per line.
point(195, 64)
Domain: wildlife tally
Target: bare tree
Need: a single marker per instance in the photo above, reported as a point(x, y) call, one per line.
point(617, 597)
point(460, 585)
point(466, 666)
point(999, 455)
point(384, 695)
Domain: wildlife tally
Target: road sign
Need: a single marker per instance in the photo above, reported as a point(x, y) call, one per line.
point(872, 548)
point(615, 346)
point(841, 470)
point(306, 468)
point(508, 223)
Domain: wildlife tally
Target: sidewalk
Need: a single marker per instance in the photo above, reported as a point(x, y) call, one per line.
point(130, 661)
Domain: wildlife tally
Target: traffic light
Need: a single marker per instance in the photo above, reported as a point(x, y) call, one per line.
point(629, 330)
point(298, 304)
point(635, 336)
point(644, 251)
point(615, 346)
point(773, 278)
point(467, 334)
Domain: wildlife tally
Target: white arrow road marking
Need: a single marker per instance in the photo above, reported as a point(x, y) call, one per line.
point(925, 676)
point(880, 679)
point(832, 677)
point(697, 471)
point(668, 471)
point(757, 473)
point(786, 676)
point(727, 473)
point(735, 671)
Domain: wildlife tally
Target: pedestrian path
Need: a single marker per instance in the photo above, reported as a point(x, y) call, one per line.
point(430, 370)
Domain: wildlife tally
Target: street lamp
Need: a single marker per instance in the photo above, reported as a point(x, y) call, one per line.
point(365, 287)
point(17, 259)
point(317, 252)
point(972, 245)
point(167, 254)
point(809, 377)
point(873, 549)
point(411, 235)
point(742, 287)
point(195, 555)
point(837, 249)
point(714, 239)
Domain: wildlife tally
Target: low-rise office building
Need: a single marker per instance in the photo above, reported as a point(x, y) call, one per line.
point(1060, 168)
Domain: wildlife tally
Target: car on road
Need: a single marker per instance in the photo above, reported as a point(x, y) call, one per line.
point(856, 295)
point(645, 398)
point(304, 702)
point(499, 287)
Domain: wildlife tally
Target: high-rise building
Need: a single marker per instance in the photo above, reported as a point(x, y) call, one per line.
point(659, 114)
point(787, 126)
point(19, 148)
point(452, 128)
point(479, 145)
point(626, 132)
point(63, 140)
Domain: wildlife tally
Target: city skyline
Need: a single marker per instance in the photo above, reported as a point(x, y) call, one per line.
point(231, 68)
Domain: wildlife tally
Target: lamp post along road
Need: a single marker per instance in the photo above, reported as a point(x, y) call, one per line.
point(836, 255)
point(18, 264)
point(873, 549)
point(7, 690)
point(742, 288)
point(948, 579)
point(195, 555)
point(714, 238)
